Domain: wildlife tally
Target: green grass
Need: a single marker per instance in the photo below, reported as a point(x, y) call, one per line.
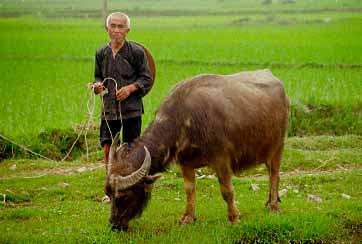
point(173, 7)
point(67, 208)
point(52, 62)
point(266, 42)
point(46, 61)
point(299, 159)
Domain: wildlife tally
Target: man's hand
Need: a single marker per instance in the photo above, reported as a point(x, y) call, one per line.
point(125, 91)
point(98, 87)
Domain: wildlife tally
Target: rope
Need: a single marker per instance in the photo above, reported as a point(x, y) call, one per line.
point(90, 116)
point(71, 148)
point(104, 113)
point(91, 109)
point(90, 112)
point(25, 148)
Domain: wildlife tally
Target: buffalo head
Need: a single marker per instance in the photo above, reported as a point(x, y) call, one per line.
point(128, 187)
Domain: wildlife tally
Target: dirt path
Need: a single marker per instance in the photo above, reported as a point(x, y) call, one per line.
point(78, 170)
point(55, 171)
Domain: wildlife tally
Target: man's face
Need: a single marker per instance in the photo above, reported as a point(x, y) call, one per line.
point(117, 29)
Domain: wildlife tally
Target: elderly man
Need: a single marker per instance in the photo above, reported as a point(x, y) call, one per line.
point(122, 77)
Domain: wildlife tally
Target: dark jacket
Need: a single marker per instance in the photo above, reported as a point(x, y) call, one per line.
point(130, 65)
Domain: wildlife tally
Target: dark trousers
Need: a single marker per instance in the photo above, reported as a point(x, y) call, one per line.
point(131, 130)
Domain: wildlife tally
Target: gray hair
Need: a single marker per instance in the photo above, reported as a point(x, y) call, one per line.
point(118, 14)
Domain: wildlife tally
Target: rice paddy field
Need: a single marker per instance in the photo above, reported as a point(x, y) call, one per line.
point(47, 62)
point(47, 59)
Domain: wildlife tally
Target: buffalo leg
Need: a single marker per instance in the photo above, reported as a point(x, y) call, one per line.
point(227, 191)
point(189, 183)
point(273, 168)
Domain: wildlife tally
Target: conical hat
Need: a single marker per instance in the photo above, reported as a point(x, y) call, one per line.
point(151, 62)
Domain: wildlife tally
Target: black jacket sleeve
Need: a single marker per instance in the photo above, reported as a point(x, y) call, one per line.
point(98, 76)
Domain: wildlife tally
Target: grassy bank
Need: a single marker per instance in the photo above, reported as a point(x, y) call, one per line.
point(61, 202)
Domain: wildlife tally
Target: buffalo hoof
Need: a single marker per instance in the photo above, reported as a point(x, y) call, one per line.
point(274, 209)
point(234, 218)
point(187, 219)
point(118, 228)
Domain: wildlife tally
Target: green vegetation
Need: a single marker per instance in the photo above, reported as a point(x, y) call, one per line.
point(316, 55)
point(61, 205)
point(90, 8)
point(46, 60)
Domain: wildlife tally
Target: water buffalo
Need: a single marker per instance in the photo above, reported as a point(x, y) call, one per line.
point(225, 122)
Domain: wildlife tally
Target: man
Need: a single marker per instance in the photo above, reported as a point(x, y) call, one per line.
point(122, 77)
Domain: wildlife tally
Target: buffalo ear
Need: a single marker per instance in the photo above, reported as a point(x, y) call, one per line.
point(150, 179)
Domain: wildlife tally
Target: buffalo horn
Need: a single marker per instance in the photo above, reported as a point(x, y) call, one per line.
point(124, 182)
point(112, 151)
